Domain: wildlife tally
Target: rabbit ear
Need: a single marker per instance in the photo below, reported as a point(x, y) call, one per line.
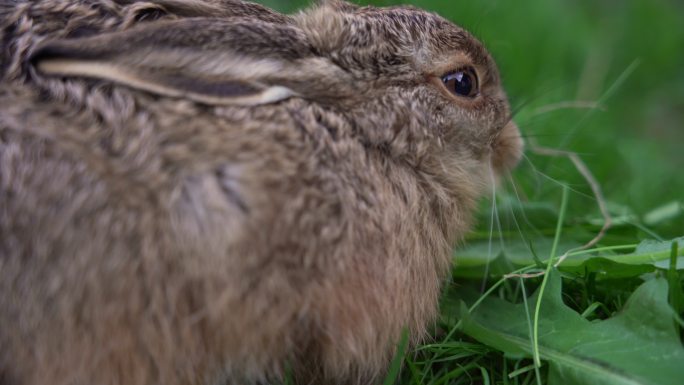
point(243, 61)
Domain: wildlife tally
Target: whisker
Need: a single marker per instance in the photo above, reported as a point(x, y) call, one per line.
point(524, 216)
point(491, 227)
point(529, 100)
point(595, 188)
point(525, 136)
point(520, 106)
point(559, 183)
point(567, 105)
point(516, 110)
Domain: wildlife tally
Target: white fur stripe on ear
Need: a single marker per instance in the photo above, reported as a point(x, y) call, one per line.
point(214, 90)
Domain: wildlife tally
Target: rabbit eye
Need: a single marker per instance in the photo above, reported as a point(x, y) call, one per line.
point(462, 82)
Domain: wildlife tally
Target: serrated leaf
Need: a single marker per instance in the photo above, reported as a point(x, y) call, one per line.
point(605, 268)
point(477, 253)
point(495, 268)
point(638, 346)
point(522, 253)
point(517, 251)
point(648, 255)
point(659, 252)
point(498, 258)
point(653, 246)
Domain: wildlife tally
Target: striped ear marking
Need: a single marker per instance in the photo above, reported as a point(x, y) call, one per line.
point(170, 59)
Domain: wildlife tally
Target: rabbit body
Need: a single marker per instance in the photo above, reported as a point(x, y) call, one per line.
point(285, 204)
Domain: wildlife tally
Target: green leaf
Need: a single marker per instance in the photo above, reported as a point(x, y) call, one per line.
point(496, 268)
point(647, 255)
point(659, 252)
point(477, 253)
point(499, 258)
point(516, 251)
point(638, 346)
point(605, 268)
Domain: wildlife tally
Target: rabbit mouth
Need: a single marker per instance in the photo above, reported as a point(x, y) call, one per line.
point(507, 148)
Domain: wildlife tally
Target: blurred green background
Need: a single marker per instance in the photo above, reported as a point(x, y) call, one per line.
point(619, 65)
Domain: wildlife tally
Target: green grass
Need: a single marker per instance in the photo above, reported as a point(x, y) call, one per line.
point(604, 80)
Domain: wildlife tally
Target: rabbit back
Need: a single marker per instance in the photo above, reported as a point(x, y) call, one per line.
point(151, 235)
point(173, 244)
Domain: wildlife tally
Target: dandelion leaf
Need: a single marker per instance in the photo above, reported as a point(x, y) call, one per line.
point(637, 346)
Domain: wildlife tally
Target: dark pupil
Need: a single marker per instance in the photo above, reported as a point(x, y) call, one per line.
point(460, 83)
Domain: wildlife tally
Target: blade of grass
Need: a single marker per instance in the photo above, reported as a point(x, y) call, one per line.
point(529, 322)
point(590, 309)
point(522, 370)
point(395, 366)
point(549, 265)
point(456, 373)
point(485, 375)
point(675, 295)
point(415, 375)
point(288, 374)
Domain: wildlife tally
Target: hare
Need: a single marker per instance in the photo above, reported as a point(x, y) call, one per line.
point(209, 192)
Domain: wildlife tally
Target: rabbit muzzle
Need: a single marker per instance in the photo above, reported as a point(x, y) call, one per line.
point(507, 148)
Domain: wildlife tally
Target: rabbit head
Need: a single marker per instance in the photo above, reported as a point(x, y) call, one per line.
point(295, 183)
point(397, 72)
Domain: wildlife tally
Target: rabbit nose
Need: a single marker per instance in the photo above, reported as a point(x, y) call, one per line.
point(507, 148)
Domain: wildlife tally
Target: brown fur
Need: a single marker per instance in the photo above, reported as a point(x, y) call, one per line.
point(195, 235)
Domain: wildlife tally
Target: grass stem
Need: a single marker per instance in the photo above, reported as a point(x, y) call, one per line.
point(549, 265)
